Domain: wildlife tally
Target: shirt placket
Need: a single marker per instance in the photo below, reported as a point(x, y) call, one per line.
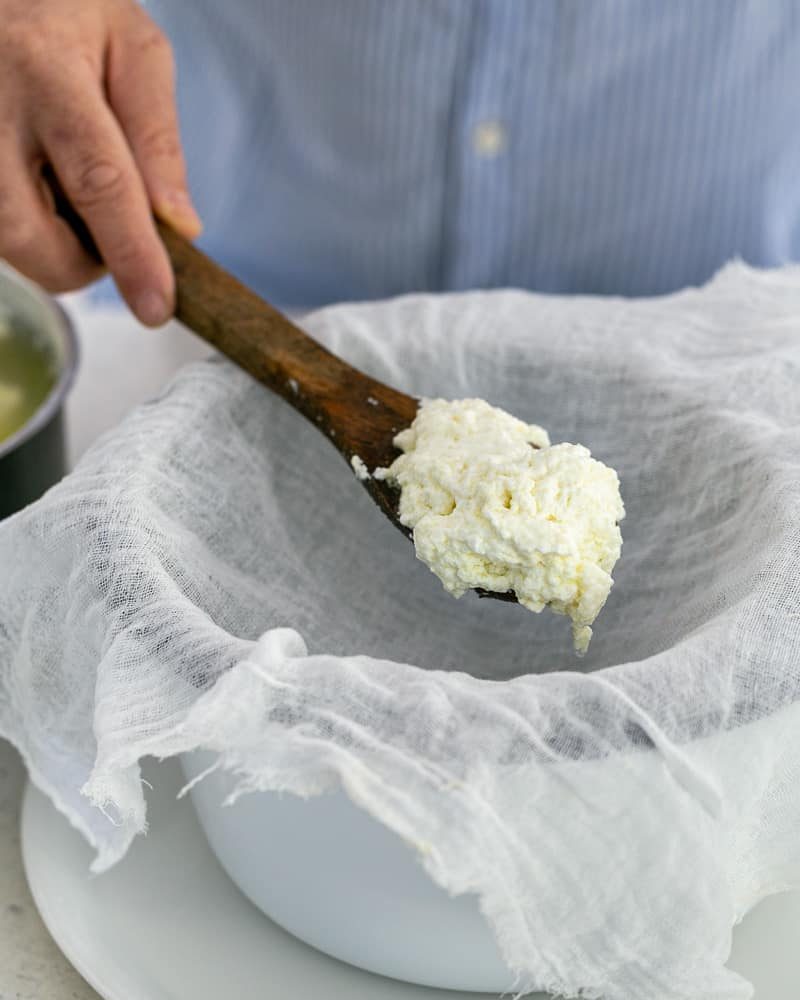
point(479, 204)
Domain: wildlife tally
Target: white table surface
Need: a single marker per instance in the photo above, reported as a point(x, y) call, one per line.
point(122, 365)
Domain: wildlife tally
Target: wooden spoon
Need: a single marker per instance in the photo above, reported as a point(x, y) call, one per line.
point(359, 415)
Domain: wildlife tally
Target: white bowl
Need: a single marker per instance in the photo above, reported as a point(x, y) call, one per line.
point(331, 875)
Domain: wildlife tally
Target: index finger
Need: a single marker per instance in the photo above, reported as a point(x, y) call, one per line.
point(98, 174)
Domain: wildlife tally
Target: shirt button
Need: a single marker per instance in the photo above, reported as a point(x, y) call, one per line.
point(489, 138)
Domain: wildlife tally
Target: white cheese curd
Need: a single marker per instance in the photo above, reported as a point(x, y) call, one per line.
point(359, 467)
point(493, 505)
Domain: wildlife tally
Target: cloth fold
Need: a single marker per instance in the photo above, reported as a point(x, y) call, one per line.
point(212, 574)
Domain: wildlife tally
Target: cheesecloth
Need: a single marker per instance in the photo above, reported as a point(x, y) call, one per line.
point(213, 575)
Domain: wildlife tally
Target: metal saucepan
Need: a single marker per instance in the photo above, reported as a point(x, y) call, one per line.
point(34, 457)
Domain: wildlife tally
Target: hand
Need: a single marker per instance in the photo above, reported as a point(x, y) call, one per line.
point(88, 86)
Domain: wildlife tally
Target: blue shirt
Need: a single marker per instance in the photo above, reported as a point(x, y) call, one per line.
point(350, 149)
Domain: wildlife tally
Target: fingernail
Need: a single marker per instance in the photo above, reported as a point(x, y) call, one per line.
point(152, 308)
point(181, 213)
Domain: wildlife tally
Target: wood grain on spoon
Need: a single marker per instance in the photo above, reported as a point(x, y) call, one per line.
point(358, 414)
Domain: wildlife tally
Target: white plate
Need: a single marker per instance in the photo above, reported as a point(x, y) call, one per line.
point(167, 923)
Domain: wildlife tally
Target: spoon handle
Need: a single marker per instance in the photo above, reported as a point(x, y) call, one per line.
point(231, 317)
point(357, 413)
point(251, 332)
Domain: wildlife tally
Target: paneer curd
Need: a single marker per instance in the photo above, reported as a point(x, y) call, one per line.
point(493, 505)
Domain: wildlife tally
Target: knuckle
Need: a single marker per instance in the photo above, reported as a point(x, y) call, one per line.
point(153, 42)
point(30, 50)
point(39, 55)
point(160, 142)
point(37, 46)
point(97, 182)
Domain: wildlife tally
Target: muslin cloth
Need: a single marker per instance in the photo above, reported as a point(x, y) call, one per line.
point(213, 575)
